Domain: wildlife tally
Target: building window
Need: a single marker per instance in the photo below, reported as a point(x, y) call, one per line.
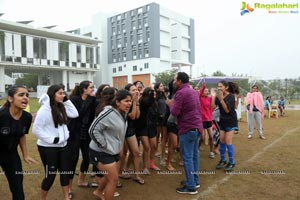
point(132, 39)
point(139, 23)
point(120, 68)
point(119, 43)
point(133, 25)
point(148, 36)
point(125, 41)
point(134, 68)
point(23, 46)
point(134, 54)
point(123, 28)
point(146, 65)
point(36, 48)
point(64, 51)
point(89, 55)
point(140, 53)
point(145, 21)
point(140, 38)
point(119, 57)
point(78, 51)
point(97, 55)
point(114, 57)
point(44, 48)
point(140, 10)
point(114, 70)
point(148, 7)
point(124, 56)
point(112, 44)
point(114, 30)
point(146, 53)
point(118, 29)
point(119, 17)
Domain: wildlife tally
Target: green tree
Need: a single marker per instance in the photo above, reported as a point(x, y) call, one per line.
point(218, 73)
point(29, 80)
point(165, 77)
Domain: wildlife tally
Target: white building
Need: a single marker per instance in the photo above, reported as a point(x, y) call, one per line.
point(141, 42)
point(57, 57)
point(137, 44)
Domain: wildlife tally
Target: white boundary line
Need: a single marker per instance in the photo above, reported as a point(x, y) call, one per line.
point(213, 187)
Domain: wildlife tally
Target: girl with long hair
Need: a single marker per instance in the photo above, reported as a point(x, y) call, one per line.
point(146, 128)
point(130, 137)
point(14, 125)
point(161, 127)
point(50, 127)
point(108, 133)
point(228, 122)
point(84, 100)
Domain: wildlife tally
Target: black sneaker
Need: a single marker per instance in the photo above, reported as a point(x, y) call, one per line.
point(229, 167)
point(184, 190)
point(221, 164)
point(183, 183)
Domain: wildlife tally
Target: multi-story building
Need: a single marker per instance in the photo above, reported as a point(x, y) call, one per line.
point(142, 42)
point(57, 57)
point(137, 44)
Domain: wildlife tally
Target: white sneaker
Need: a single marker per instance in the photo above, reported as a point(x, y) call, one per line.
point(249, 136)
point(212, 155)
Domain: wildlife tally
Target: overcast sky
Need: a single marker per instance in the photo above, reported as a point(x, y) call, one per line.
point(258, 44)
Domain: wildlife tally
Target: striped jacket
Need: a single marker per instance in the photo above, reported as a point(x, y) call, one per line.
point(108, 131)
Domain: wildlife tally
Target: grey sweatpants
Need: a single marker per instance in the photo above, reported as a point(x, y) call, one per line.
point(257, 117)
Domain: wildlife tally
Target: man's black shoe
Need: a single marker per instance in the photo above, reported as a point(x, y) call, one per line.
point(221, 164)
point(184, 190)
point(229, 167)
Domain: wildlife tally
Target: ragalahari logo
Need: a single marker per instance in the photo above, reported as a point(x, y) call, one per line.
point(246, 8)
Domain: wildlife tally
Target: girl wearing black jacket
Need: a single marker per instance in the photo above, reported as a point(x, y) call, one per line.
point(84, 100)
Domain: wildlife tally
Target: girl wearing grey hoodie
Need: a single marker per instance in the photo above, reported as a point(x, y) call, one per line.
point(108, 133)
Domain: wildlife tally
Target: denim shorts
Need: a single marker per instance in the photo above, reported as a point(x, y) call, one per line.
point(227, 129)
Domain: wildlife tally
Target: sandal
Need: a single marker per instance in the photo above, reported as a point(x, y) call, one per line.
point(154, 167)
point(70, 195)
point(119, 185)
point(170, 168)
point(116, 194)
point(139, 181)
point(125, 176)
point(146, 171)
point(88, 184)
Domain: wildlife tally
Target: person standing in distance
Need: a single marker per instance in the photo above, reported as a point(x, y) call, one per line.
point(186, 107)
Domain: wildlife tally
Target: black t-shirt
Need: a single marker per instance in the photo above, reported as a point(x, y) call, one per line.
point(227, 119)
point(79, 127)
point(12, 130)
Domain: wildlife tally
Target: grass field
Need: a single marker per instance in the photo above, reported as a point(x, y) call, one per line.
point(266, 169)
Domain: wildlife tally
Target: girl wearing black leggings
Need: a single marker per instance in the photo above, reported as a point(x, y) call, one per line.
point(50, 127)
point(14, 124)
point(83, 98)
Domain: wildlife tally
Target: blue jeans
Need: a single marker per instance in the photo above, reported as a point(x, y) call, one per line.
point(189, 143)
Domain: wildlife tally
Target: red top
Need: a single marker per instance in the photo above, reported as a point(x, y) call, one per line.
point(205, 103)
